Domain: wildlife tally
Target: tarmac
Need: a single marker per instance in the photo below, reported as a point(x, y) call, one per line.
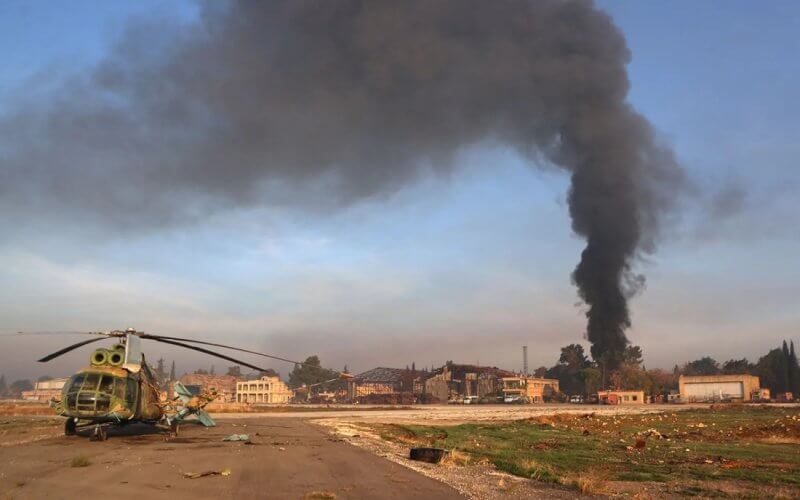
point(288, 458)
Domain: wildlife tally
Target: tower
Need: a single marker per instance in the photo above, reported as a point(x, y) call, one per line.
point(525, 360)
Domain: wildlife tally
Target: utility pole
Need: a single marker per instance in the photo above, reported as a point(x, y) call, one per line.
point(525, 360)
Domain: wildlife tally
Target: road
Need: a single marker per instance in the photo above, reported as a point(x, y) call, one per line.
point(290, 458)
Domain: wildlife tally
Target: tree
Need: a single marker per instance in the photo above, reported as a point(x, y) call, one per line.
point(574, 357)
point(540, 372)
point(794, 371)
point(201, 371)
point(161, 373)
point(211, 371)
point(632, 355)
point(592, 378)
point(568, 369)
point(629, 377)
point(662, 382)
point(18, 386)
point(3, 386)
point(310, 372)
point(738, 367)
point(44, 378)
point(772, 370)
point(269, 372)
point(703, 366)
point(172, 371)
point(234, 371)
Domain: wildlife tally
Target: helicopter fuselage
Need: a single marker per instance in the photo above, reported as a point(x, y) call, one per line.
point(111, 394)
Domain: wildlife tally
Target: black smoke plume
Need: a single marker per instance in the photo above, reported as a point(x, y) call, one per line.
point(330, 102)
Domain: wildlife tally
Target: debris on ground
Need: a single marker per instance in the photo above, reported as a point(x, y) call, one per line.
point(430, 455)
point(237, 437)
point(320, 495)
point(195, 475)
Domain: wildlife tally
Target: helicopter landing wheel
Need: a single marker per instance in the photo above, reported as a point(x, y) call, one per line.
point(100, 433)
point(69, 427)
point(174, 428)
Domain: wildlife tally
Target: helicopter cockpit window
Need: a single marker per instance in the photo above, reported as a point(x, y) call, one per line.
point(107, 384)
point(92, 392)
point(90, 384)
point(76, 383)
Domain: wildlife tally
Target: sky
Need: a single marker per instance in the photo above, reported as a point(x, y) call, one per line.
point(466, 265)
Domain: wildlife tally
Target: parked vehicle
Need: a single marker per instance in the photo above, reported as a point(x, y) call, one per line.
point(576, 399)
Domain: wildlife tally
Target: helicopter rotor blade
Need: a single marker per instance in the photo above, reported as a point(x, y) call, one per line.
point(206, 351)
point(57, 332)
point(68, 349)
point(157, 337)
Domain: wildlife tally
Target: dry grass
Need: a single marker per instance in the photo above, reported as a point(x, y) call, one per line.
point(320, 495)
point(458, 458)
point(80, 461)
point(593, 483)
point(21, 408)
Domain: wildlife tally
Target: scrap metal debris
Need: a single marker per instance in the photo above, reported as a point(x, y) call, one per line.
point(237, 437)
point(195, 475)
point(430, 455)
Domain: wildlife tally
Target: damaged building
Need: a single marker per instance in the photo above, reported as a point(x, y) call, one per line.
point(383, 385)
point(455, 382)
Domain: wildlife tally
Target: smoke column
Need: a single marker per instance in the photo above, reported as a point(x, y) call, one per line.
point(314, 103)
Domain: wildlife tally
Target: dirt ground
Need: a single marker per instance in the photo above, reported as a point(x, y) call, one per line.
point(289, 458)
point(302, 454)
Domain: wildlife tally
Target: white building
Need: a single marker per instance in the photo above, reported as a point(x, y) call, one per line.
point(263, 390)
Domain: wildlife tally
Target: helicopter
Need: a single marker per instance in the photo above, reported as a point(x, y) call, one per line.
point(119, 388)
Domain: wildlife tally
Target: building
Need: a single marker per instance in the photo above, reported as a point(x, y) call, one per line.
point(454, 382)
point(223, 385)
point(621, 397)
point(264, 390)
point(529, 389)
point(383, 385)
point(45, 390)
point(702, 388)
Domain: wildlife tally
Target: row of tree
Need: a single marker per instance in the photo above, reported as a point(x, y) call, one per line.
point(778, 370)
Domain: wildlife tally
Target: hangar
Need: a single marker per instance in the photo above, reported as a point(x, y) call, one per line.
point(701, 388)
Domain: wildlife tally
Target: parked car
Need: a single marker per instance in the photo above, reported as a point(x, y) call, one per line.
point(468, 400)
point(513, 399)
point(576, 399)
